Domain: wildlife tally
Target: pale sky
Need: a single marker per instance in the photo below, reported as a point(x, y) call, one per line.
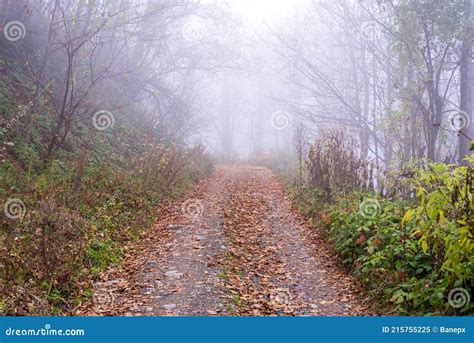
point(270, 11)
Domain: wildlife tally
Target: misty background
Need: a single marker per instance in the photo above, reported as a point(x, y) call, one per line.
point(247, 78)
point(110, 109)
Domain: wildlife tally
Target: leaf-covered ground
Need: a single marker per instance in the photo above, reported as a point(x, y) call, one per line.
point(233, 246)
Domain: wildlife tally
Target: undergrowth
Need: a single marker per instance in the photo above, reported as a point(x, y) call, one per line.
point(414, 254)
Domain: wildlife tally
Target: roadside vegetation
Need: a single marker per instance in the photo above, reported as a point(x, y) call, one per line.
point(407, 235)
point(110, 109)
point(89, 146)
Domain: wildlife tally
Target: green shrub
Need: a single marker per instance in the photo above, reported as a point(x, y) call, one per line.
point(410, 253)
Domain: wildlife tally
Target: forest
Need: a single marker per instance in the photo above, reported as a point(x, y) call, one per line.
point(236, 157)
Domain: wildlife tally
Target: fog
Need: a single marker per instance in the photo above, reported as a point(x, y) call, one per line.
point(248, 79)
point(153, 150)
point(387, 74)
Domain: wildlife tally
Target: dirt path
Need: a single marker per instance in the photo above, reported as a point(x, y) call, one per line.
point(234, 246)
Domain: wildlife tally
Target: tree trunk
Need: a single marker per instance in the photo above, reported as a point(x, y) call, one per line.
point(466, 88)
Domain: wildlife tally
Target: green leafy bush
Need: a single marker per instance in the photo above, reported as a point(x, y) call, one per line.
point(410, 253)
